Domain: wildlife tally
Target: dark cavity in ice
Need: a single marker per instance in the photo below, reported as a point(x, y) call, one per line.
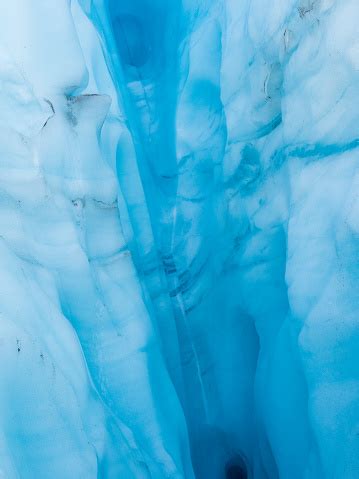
point(236, 469)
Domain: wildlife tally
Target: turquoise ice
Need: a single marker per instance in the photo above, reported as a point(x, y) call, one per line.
point(179, 239)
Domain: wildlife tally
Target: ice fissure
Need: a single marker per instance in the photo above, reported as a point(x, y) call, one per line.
point(179, 239)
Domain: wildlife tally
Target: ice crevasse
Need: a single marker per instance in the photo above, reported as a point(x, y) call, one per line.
point(179, 239)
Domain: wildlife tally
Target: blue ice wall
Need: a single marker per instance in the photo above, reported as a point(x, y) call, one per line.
point(179, 239)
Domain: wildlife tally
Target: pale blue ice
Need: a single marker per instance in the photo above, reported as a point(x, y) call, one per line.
point(179, 239)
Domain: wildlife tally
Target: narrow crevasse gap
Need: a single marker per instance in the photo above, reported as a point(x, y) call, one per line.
point(179, 130)
point(179, 239)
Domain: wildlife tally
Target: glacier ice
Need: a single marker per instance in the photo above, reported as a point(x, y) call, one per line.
point(179, 239)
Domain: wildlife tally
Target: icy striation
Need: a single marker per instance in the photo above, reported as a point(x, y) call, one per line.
point(179, 239)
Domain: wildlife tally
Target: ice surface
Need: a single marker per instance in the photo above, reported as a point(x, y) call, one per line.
point(179, 239)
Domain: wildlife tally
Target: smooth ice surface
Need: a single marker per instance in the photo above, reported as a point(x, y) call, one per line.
point(179, 239)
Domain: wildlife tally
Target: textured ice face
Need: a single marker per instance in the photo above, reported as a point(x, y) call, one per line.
point(179, 239)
